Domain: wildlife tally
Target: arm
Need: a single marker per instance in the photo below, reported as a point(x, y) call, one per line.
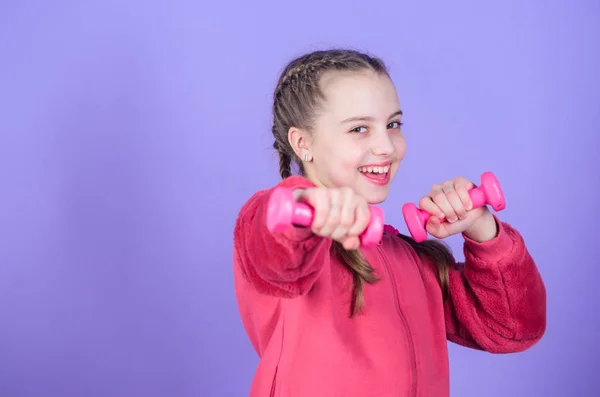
point(281, 264)
point(497, 299)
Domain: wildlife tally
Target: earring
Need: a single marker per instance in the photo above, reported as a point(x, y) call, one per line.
point(306, 157)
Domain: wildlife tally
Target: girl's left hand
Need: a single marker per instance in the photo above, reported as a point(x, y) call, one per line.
point(450, 201)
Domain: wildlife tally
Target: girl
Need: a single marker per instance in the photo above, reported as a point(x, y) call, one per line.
point(329, 318)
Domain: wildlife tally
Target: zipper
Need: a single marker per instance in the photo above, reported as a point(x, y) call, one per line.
point(408, 334)
point(274, 383)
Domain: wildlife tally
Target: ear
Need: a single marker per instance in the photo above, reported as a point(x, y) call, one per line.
point(300, 141)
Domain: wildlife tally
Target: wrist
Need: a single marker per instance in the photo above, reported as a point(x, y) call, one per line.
point(483, 229)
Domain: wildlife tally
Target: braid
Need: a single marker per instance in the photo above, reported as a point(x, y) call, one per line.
point(307, 69)
point(305, 73)
point(285, 161)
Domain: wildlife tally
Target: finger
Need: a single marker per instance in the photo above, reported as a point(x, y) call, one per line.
point(335, 212)
point(442, 201)
point(437, 228)
point(351, 243)
point(346, 215)
point(427, 205)
point(318, 199)
point(461, 181)
point(362, 217)
point(454, 200)
point(462, 189)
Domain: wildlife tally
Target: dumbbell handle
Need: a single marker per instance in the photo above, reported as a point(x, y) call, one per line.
point(283, 211)
point(489, 193)
point(478, 199)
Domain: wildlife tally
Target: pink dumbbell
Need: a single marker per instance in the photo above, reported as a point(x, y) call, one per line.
point(283, 211)
point(489, 193)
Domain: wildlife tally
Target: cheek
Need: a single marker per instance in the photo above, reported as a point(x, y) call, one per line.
point(352, 158)
point(343, 152)
point(400, 145)
point(344, 161)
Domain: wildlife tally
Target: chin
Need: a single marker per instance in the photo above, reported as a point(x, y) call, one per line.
point(374, 194)
point(375, 198)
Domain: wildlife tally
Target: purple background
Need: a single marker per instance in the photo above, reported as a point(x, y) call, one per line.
point(132, 132)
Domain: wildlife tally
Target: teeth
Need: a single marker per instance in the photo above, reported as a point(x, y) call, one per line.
point(375, 170)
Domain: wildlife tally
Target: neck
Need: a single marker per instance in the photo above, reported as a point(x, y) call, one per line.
point(309, 174)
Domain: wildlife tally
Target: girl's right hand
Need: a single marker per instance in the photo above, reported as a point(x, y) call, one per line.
point(340, 214)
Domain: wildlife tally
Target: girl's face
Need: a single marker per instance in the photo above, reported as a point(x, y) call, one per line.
point(357, 139)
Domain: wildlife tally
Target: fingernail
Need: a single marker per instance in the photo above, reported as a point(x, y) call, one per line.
point(441, 215)
point(452, 220)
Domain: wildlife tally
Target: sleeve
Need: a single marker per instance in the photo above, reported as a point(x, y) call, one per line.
point(497, 299)
point(281, 264)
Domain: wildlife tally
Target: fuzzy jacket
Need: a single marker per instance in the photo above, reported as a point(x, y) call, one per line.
point(295, 301)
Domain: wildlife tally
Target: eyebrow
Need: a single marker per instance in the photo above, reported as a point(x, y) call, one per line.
point(369, 118)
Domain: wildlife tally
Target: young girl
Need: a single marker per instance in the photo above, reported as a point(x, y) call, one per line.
point(329, 318)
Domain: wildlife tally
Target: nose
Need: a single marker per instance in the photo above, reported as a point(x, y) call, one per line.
point(383, 144)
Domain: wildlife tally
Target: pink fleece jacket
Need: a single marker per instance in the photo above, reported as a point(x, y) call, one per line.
point(294, 299)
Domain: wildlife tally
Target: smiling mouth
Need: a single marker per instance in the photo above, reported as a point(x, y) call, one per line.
point(375, 169)
point(377, 174)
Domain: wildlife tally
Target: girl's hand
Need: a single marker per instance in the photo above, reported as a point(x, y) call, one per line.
point(450, 201)
point(340, 214)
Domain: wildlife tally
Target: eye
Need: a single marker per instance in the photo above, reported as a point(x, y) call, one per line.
point(358, 130)
point(395, 125)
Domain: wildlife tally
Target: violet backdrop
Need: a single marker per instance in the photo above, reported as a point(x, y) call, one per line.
point(132, 132)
